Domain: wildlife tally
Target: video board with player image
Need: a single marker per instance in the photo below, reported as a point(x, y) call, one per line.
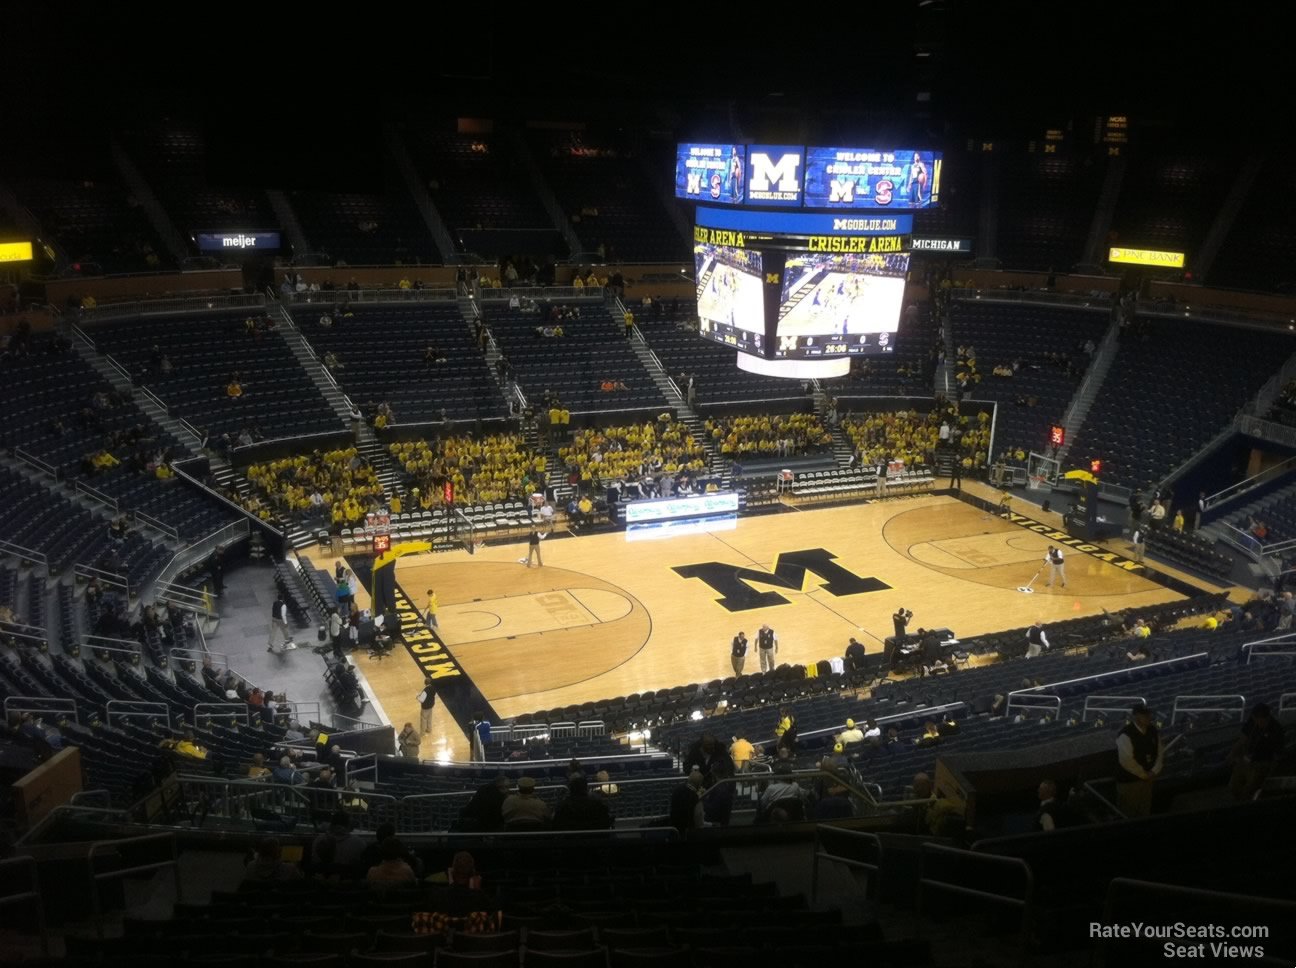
point(872, 178)
point(840, 304)
point(730, 297)
point(710, 173)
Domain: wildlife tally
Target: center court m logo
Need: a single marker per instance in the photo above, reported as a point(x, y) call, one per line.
point(783, 172)
point(734, 583)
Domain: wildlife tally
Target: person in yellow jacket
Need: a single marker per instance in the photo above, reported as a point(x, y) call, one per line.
point(430, 611)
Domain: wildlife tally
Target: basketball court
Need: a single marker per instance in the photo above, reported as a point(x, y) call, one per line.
point(607, 616)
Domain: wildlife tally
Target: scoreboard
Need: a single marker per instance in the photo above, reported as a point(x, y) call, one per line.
point(800, 285)
point(808, 177)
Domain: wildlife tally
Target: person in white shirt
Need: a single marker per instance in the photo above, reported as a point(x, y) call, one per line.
point(546, 516)
point(1139, 540)
point(1157, 513)
point(1056, 562)
point(874, 731)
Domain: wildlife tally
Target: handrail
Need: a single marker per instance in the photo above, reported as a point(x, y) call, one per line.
point(1240, 708)
point(32, 893)
point(82, 335)
point(197, 550)
point(173, 304)
point(154, 399)
point(1283, 705)
point(116, 365)
point(19, 551)
point(156, 525)
point(1233, 490)
point(1093, 792)
point(44, 704)
point(96, 877)
point(357, 767)
point(360, 723)
point(1113, 672)
point(338, 297)
point(969, 857)
point(97, 642)
point(238, 711)
point(10, 631)
point(137, 709)
point(94, 493)
point(890, 718)
point(870, 840)
point(243, 512)
point(1288, 639)
point(1265, 429)
point(1126, 704)
point(35, 462)
point(1019, 700)
point(546, 293)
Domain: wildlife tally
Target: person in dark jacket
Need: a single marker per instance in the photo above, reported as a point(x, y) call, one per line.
point(580, 811)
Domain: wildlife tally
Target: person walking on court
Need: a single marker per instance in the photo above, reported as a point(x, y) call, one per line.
point(430, 614)
point(766, 648)
point(1139, 540)
point(1056, 562)
point(279, 625)
point(426, 701)
point(533, 549)
point(738, 653)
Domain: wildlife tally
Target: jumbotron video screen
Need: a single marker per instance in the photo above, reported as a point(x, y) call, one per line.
point(730, 298)
point(834, 304)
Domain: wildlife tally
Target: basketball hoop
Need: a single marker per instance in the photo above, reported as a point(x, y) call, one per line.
point(1037, 482)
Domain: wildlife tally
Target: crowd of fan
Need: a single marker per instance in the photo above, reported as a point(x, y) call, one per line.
point(915, 438)
point(337, 486)
point(492, 468)
point(781, 435)
point(632, 452)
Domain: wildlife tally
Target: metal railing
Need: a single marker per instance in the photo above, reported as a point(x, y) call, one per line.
point(192, 554)
point(96, 495)
point(869, 859)
point(36, 463)
point(1026, 702)
point(238, 712)
point(185, 599)
point(1284, 644)
point(31, 633)
point(20, 884)
point(1097, 301)
point(26, 554)
point(1286, 702)
point(336, 297)
point(1213, 501)
point(1189, 705)
point(44, 705)
point(362, 768)
point(352, 724)
point(545, 293)
point(113, 579)
point(113, 362)
point(159, 526)
point(972, 863)
point(1091, 787)
point(175, 304)
point(1122, 704)
point(1117, 674)
point(104, 848)
point(103, 643)
point(137, 709)
point(1265, 429)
